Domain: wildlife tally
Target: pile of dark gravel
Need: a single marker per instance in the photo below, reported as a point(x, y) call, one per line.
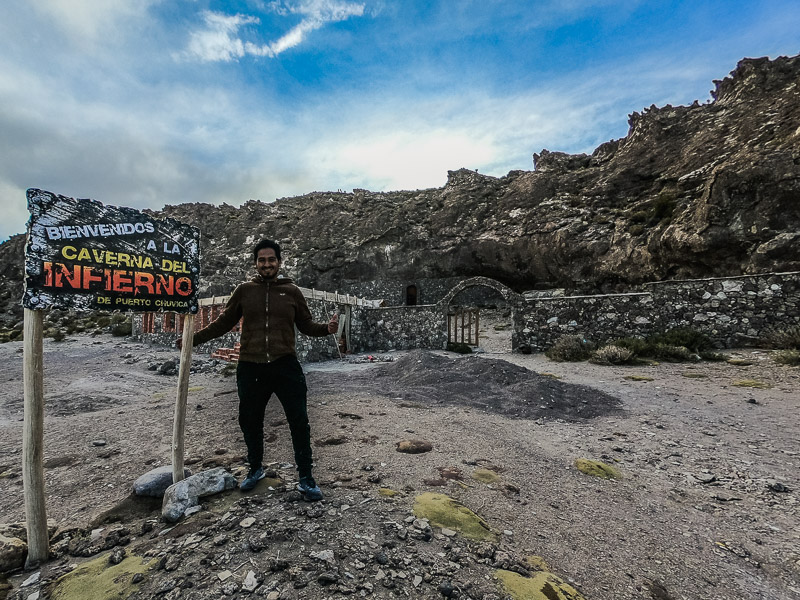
point(492, 385)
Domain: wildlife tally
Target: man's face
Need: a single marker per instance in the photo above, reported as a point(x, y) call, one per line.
point(267, 264)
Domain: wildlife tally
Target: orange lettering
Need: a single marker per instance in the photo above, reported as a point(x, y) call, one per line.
point(144, 280)
point(73, 279)
point(184, 286)
point(165, 285)
point(122, 283)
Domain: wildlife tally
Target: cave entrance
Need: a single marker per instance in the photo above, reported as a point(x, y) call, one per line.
point(411, 295)
point(480, 318)
point(482, 310)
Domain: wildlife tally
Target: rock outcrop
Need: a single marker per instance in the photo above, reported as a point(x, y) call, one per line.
point(691, 191)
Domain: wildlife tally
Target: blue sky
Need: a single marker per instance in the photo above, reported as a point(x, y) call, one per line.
point(152, 102)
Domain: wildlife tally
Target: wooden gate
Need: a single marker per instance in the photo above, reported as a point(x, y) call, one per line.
point(463, 326)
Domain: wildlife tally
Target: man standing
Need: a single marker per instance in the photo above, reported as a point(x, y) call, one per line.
point(269, 308)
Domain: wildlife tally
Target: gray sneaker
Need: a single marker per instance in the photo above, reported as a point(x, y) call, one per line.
point(253, 477)
point(309, 488)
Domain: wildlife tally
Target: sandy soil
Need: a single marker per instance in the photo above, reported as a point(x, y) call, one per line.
point(707, 507)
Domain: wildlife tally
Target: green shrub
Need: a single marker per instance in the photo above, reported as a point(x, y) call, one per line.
point(53, 332)
point(787, 357)
point(787, 338)
point(671, 353)
point(639, 346)
point(687, 337)
point(229, 370)
point(663, 208)
point(676, 345)
point(612, 355)
point(122, 329)
point(635, 230)
point(570, 348)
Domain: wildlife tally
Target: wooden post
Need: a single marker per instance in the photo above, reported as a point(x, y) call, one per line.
point(33, 438)
point(179, 422)
point(477, 327)
point(348, 315)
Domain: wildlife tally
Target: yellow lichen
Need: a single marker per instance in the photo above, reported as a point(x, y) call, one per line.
point(690, 375)
point(443, 511)
point(597, 469)
point(485, 476)
point(536, 563)
point(99, 580)
point(752, 383)
point(387, 492)
point(739, 362)
point(541, 586)
point(638, 378)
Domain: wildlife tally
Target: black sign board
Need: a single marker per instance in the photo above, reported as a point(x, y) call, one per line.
point(84, 255)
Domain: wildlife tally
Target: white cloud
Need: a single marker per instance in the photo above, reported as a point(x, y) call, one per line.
point(15, 210)
point(219, 40)
point(89, 20)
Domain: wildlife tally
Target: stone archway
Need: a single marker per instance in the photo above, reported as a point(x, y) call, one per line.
point(496, 330)
point(506, 292)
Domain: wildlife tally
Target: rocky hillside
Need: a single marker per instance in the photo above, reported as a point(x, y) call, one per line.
point(691, 191)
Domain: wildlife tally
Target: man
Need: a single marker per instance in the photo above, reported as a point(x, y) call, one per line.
point(269, 308)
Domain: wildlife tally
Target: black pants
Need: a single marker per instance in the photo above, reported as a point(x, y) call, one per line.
point(256, 382)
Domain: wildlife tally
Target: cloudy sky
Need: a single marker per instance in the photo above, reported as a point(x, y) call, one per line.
point(152, 102)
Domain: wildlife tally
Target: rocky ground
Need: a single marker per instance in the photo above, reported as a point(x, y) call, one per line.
point(707, 506)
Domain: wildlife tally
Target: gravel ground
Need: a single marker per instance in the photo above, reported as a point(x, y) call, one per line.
point(707, 506)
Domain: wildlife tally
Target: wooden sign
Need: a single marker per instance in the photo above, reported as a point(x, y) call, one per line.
point(84, 255)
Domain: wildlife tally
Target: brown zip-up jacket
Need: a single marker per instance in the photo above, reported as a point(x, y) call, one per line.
point(269, 311)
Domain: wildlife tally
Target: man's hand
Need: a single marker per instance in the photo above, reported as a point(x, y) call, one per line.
point(333, 324)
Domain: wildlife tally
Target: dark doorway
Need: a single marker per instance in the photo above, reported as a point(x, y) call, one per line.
point(411, 295)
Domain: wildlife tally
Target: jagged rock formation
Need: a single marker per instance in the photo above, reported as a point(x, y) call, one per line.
point(692, 191)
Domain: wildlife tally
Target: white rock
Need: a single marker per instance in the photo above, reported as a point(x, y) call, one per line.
point(224, 575)
point(155, 482)
point(248, 522)
point(325, 556)
point(250, 582)
point(184, 494)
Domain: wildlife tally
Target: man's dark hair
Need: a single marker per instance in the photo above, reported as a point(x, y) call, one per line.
point(266, 244)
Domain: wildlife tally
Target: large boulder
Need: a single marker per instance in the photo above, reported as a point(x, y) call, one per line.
point(187, 493)
point(13, 551)
point(154, 483)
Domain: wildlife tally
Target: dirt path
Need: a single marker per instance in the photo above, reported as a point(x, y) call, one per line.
point(701, 511)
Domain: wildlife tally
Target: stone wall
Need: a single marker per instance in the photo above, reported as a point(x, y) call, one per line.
point(400, 328)
point(732, 311)
point(429, 291)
